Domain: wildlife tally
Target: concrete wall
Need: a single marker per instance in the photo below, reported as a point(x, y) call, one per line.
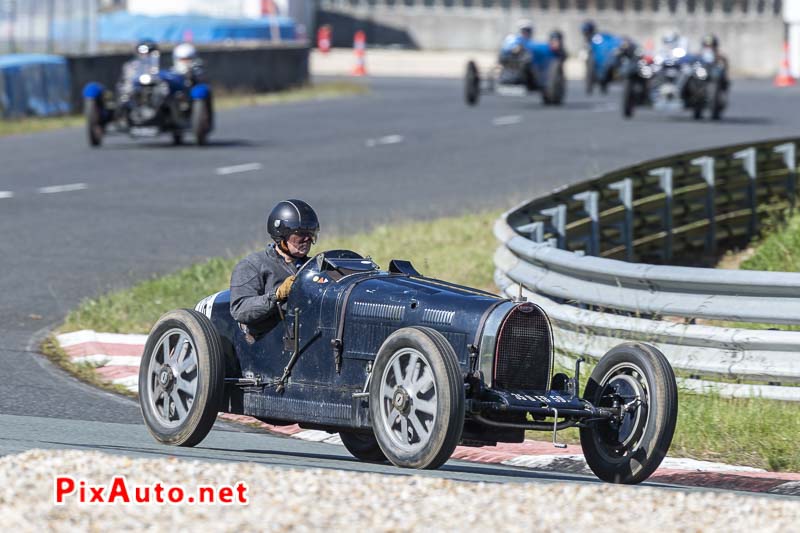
point(256, 69)
point(752, 41)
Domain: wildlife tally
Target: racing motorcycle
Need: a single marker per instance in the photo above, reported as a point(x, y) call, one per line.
point(523, 66)
point(149, 101)
point(674, 82)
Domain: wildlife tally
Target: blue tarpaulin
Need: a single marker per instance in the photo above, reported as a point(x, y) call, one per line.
point(122, 27)
point(33, 84)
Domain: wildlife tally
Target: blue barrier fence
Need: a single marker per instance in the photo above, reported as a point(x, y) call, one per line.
point(33, 84)
point(122, 27)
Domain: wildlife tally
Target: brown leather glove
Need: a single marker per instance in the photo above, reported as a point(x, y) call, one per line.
point(282, 292)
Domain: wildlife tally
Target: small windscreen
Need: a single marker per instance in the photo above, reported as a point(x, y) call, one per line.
point(340, 263)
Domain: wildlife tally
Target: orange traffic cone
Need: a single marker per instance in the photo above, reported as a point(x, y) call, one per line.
point(784, 77)
point(360, 51)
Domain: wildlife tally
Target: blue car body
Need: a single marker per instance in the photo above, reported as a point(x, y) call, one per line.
point(404, 367)
point(539, 58)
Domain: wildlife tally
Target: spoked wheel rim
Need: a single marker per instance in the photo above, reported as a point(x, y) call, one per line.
point(624, 384)
point(409, 400)
point(172, 377)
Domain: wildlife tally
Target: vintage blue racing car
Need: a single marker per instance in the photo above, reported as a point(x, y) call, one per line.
point(524, 66)
point(404, 368)
point(604, 56)
point(148, 102)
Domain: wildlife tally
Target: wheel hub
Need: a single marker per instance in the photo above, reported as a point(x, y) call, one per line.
point(401, 400)
point(166, 378)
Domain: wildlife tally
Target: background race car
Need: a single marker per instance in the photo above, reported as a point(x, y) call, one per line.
point(676, 81)
point(149, 101)
point(524, 66)
point(604, 56)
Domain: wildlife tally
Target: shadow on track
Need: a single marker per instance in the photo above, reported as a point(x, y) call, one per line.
point(166, 143)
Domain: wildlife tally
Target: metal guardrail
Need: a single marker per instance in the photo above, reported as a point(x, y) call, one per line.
point(596, 256)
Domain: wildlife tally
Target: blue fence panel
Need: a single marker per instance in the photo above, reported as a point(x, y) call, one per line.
point(33, 84)
point(125, 27)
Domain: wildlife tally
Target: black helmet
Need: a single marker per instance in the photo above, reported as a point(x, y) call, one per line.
point(290, 216)
point(588, 28)
point(146, 47)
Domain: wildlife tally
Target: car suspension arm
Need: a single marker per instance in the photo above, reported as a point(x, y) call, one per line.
point(287, 371)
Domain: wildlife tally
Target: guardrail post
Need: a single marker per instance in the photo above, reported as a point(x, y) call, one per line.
point(788, 150)
point(590, 201)
point(535, 230)
point(706, 165)
point(558, 219)
point(748, 157)
point(625, 189)
point(665, 182)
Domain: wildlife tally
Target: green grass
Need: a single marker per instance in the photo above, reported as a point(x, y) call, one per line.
point(750, 432)
point(223, 100)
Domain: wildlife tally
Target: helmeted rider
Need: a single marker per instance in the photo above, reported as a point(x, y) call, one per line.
point(525, 29)
point(261, 282)
point(709, 52)
point(146, 60)
point(186, 63)
point(556, 42)
point(588, 30)
point(673, 46)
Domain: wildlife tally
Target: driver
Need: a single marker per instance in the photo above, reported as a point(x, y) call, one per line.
point(588, 29)
point(186, 63)
point(525, 29)
point(146, 59)
point(261, 282)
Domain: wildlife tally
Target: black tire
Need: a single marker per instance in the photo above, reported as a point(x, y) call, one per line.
point(716, 99)
point(177, 138)
point(201, 121)
point(363, 446)
point(553, 94)
point(161, 378)
point(472, 84)
point(628, 101)
point(94, 124)
point(697, 110)
point(590, 76)
point(632, 451)
point(442, 392)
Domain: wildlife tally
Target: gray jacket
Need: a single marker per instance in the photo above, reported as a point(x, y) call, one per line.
point(253, 284)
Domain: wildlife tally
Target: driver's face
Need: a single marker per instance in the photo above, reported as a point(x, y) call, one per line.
point(300, 243)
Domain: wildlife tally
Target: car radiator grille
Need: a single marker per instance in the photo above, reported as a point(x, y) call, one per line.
point(524, 354)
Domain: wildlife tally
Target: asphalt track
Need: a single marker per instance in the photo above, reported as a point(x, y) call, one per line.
point(77, 222)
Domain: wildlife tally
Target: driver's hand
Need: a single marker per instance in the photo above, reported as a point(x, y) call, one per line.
point(282, 292)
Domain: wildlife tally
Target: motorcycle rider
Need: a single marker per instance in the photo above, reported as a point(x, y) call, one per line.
point(146, 61)
point(588, 29)
point(673, 47)
point(186, 63)
point(261, 282)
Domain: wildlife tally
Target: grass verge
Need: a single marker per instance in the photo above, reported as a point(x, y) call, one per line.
point(752, 432)
point(320, 91)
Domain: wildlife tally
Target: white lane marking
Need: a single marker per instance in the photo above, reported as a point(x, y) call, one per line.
point(507, 120)
point(235, 169)
point(6, 194)
point(386, 139)
point(62, 188)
